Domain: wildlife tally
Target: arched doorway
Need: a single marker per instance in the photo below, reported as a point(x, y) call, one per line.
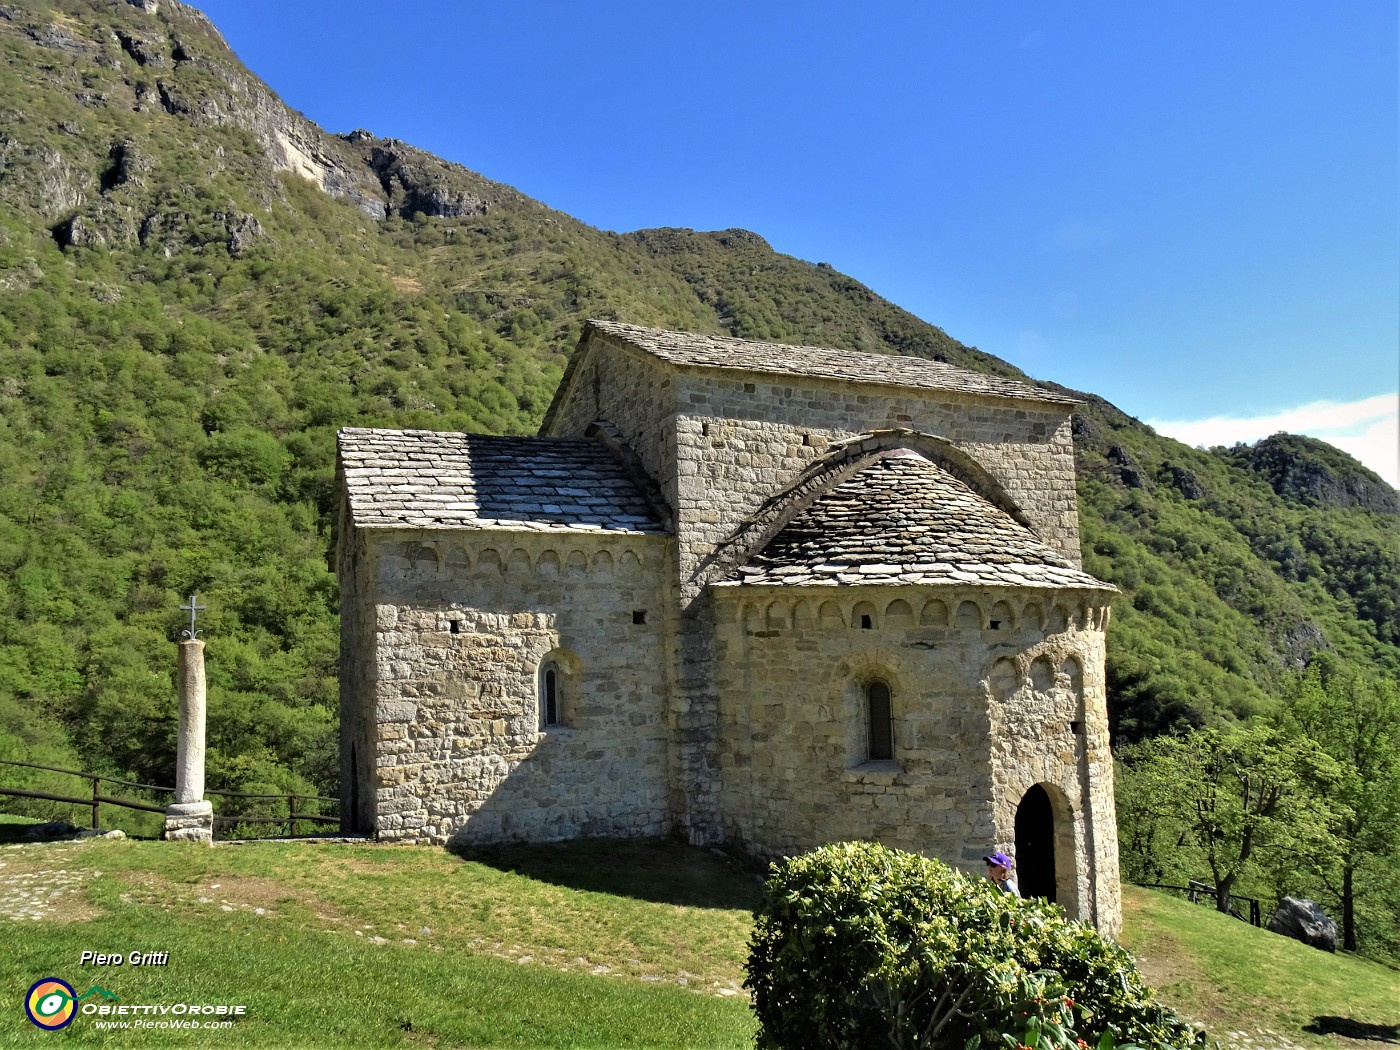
point(1035, 845)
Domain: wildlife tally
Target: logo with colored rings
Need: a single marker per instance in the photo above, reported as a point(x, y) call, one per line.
point(51, 1004)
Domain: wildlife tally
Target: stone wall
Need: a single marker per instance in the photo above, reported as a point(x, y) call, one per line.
point(741, 440)
point(355, 571)
point(732, 712)
point(977, 722)
point(465, 622)
point(634, 392)
point(721, 443)
point(1050, 728)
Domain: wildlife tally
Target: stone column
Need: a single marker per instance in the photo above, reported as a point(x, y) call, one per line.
point(190, 818)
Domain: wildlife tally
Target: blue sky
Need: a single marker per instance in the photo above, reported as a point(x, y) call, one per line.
point(1191, 209)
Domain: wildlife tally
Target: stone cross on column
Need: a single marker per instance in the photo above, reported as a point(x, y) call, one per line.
point(190, 818)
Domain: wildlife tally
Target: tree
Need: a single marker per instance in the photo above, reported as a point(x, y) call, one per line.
point(1152, 800)
point(1357, 723)
point(1232, 793)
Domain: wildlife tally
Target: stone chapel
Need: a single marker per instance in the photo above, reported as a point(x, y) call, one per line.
point(758, 595)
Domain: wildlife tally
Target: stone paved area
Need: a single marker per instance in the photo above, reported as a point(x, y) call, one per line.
point(1257, 1039)
point(40, 894)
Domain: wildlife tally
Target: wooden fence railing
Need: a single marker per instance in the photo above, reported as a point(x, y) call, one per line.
point(96, 799)
point(1197, 891)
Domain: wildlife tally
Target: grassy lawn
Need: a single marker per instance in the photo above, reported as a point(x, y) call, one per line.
point(591, 944)
point(1235, 978)
point(336, 945)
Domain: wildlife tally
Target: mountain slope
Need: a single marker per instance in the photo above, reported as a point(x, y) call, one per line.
point(198, 287)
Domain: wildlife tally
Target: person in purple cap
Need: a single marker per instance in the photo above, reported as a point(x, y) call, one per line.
point(999, 871)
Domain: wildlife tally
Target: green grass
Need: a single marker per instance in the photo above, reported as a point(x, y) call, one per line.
point(593, 944)
point(473, 955)
point(1235, 978)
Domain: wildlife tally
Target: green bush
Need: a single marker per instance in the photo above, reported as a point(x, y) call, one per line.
point(858, 945)
point(245, 455)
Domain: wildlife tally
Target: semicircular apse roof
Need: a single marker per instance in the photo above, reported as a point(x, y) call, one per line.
point(904, 520)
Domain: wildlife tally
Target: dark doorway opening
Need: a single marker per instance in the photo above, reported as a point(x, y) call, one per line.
point(1035, 845)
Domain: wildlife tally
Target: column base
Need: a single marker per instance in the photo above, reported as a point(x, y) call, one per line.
point(189, 822)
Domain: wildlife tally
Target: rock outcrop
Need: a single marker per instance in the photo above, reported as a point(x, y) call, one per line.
point(1304, 921)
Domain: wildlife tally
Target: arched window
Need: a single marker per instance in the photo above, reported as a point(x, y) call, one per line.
point(551, 703)
point(881, 724)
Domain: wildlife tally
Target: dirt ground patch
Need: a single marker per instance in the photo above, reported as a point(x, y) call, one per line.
point(262, 896)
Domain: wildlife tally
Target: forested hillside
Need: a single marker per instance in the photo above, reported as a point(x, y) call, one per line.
point(198, 288)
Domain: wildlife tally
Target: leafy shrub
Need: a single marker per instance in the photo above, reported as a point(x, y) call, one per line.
point(245, 455)
point(859, 945)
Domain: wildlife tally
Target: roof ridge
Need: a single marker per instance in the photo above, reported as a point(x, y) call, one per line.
point(699, 350)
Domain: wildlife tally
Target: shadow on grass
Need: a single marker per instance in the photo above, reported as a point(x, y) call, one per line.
point(662, 871)
point(12, 833)
point(1350, 1029)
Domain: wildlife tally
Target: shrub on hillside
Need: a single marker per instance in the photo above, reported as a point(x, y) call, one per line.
point(858, 945)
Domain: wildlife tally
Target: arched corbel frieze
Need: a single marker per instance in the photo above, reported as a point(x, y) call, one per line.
point(1042, 674)
point(934, 613)
point(969, 615)
point(899, 613)
point(425, 560)
point(776, 617)
point(458, 562)
point(1001, 617)
point(1033, 615)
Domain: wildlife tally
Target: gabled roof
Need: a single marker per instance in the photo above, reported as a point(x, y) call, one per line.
point(726, 352)
point(422, 479)
point(905, 520)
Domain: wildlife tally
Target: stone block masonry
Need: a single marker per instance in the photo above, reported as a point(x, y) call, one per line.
point(765, 595)
point(466, 627)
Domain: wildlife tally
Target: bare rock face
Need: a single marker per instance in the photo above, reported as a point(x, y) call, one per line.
point(243, 232)
point(1311, 472)
point(1183, 480)
point(417, 182)
point(1304, 921)
point(1129, 471)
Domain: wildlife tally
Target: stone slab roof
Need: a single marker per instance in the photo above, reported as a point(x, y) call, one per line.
point(905, 520)
point(422, 479)
point(712, 351)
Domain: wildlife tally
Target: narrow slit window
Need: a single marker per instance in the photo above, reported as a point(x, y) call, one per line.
point(881, 721)
point(549, 700)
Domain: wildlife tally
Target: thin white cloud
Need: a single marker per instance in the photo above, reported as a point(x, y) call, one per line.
point(1368, 429)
